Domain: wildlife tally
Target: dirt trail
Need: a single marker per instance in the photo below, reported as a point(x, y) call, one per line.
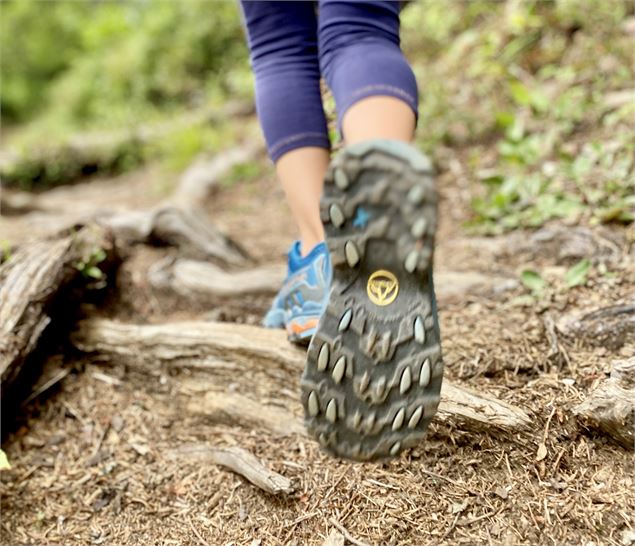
point(94, 459)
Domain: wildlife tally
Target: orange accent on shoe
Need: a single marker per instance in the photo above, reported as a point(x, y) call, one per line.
point(295, 328)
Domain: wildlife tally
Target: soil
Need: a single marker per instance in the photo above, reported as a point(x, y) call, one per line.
point(91, 457)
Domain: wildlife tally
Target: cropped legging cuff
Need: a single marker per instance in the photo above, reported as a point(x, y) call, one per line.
point(353, 45)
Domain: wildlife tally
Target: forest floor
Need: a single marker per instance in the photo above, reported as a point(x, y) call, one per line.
point(93, 457)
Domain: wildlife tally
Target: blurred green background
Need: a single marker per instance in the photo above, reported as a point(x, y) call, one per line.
point(536, 97)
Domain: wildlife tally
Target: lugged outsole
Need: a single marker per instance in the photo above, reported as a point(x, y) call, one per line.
point(374, 369)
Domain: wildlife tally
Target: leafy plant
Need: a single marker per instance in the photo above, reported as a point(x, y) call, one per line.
point(533, 281)
point(577, 274)
point(88, 267)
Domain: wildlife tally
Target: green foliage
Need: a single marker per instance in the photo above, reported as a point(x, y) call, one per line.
point(533, 281)
point(532, 81)
point(114, 63)
point(243, 172)
point(38, 42)
point(89, 265)
point(577, 274)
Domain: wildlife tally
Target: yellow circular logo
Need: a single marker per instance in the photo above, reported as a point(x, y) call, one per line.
point(382, 287)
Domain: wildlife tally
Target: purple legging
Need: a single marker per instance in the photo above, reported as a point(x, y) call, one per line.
point(354, 45)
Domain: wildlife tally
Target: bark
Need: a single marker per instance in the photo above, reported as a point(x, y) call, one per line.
point(612, 326)
point(33, 283)
point(254, 348)
point(194, 278)
point(610, 408)
point(233, 408)
point(188, 230)
point(204, 175)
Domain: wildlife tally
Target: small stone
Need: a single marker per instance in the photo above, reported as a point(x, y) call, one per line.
point(323, 358)
point(337, 215)
point(331, 411)
point(419, 331)
point(419, 227)
point(399, 419)
point(339, 369)
point(412, 259)
point(341, 180)
point(406, 381)
point(415, 417)
point(345, 321)
point(313, 405)
point(424, 377)
point(352, 253)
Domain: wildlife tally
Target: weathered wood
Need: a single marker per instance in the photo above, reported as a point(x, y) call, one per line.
point(233, 408)
point(479, 410)
point(194, 278)
point(612, 326)
point(188, 230)
point(610, 408)
point(240, 461)
point(568, 244)
point(31, 284)
point(204, 175)
point(258, 347)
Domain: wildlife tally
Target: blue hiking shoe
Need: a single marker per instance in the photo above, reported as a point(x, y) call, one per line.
point(304, 293)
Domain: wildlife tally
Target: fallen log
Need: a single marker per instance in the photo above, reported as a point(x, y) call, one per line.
point(234, 408)
point(34, 283)
point(610, 408)
point(188, 230)
point(259, 348)
point(194, 278)
point(240, 461)
point(612, 326)
point(204, 175)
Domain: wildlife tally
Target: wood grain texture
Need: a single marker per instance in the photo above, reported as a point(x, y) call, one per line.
point(610, 408)
point(253, 346)
point(31, 283)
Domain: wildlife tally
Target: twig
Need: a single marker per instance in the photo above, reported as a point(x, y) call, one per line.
point(484, 516)
point(345, 532)
point(198, 535)
point(450, 529)
point(61, 374)
point(240, 461)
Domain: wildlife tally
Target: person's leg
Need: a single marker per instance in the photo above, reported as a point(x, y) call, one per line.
point(301, 172)
point(374, 87)
point(283, 44)
point(374, 369)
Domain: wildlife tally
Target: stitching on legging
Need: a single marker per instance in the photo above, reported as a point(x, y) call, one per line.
point(294, 138)
point(376, 87)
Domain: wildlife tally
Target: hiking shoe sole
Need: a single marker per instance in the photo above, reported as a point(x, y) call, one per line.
point(373, 375)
